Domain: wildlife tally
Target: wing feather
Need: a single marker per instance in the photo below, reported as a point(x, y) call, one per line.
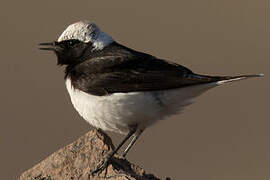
point(120, 69)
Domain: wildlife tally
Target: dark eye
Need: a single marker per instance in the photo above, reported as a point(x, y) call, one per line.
point(72, 42)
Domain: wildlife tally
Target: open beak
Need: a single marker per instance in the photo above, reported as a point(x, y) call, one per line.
point(51, 46)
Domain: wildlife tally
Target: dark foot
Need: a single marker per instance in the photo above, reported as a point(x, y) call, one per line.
point(102, 165)
point(122, 157)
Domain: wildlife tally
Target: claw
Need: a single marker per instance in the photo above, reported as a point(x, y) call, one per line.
point(121, 156)
point(100, 167)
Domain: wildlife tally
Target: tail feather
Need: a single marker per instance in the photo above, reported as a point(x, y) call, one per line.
point(227, 79)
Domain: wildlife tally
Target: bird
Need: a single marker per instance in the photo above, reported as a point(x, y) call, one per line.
point(116, 88)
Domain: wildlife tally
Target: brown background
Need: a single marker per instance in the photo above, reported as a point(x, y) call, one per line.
point(225, 135)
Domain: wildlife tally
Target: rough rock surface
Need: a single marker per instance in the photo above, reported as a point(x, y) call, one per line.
point(78, 159)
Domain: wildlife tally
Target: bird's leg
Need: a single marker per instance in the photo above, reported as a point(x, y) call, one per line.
point(104, 163)
point(134, 139)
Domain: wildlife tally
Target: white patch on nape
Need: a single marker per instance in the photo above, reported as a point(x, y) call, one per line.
point(86, 31)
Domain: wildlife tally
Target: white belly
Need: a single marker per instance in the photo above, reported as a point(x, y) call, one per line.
point(119, 111)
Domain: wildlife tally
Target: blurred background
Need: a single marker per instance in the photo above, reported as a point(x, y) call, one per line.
point(224, 135)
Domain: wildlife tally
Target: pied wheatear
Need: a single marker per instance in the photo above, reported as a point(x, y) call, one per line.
point(118, 89)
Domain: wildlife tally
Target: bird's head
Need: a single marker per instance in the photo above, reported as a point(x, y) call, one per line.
point(77, 40)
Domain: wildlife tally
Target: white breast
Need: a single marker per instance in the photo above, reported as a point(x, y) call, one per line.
point(118, 111)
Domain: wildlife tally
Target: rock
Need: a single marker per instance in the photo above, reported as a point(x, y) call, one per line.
point(78, 159)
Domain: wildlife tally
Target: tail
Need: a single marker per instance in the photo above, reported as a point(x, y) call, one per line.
point(226, 79)
point(202, 79)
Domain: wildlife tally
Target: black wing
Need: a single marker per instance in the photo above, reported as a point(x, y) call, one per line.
point(120, 69)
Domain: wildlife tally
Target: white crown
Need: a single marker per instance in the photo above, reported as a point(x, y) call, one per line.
point(86, 31)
